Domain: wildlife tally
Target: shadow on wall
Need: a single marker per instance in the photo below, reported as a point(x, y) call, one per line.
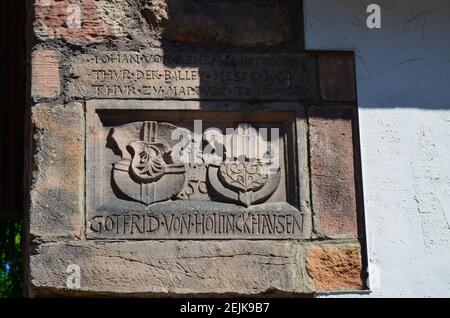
point(208, 40)
point(12, 107)
point(403, 76)
point(12, 139)
point(208, 33)
point(203, 35)
point(405, 63)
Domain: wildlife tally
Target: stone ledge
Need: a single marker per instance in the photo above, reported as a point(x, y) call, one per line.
point(183, 268)
point(155, 268)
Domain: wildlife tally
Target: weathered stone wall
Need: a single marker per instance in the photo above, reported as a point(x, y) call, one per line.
point(98, 66)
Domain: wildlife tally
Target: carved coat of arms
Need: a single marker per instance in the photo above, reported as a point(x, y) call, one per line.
point(148, 174)
point(247, 178)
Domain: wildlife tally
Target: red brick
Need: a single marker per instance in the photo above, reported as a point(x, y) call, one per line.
point(332, 171)
point(337, 77)
point(334, 267)
point(51, 21)
point(45, 74)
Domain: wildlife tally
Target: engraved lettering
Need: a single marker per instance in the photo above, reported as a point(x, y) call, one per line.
point(190, 225)
point(188, 76)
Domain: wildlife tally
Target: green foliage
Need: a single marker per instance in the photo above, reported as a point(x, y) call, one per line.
point(11, 277)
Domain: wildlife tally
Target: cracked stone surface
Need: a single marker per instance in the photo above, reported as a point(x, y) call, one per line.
point(173, 267)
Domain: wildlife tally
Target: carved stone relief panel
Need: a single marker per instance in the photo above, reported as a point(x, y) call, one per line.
point(192, 174)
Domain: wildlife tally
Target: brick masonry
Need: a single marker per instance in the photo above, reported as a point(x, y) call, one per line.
point(88, 21)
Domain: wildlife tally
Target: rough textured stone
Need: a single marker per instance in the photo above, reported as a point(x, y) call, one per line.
point(172, 268)
point(58, 178)
point(335, 267)
point(45, 80)
point(337, 77)
point(332, 171)
point(244, 23)
point(87, 21)
point(156, 13)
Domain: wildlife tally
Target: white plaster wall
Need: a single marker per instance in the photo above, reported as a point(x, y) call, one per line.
point(403, 79)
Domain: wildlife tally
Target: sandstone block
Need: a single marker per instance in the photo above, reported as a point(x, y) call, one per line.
point(57, 193)
point(334, 267)
point(155, 268)
point(332, 171)
point(45, 81)
point(337, 77)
